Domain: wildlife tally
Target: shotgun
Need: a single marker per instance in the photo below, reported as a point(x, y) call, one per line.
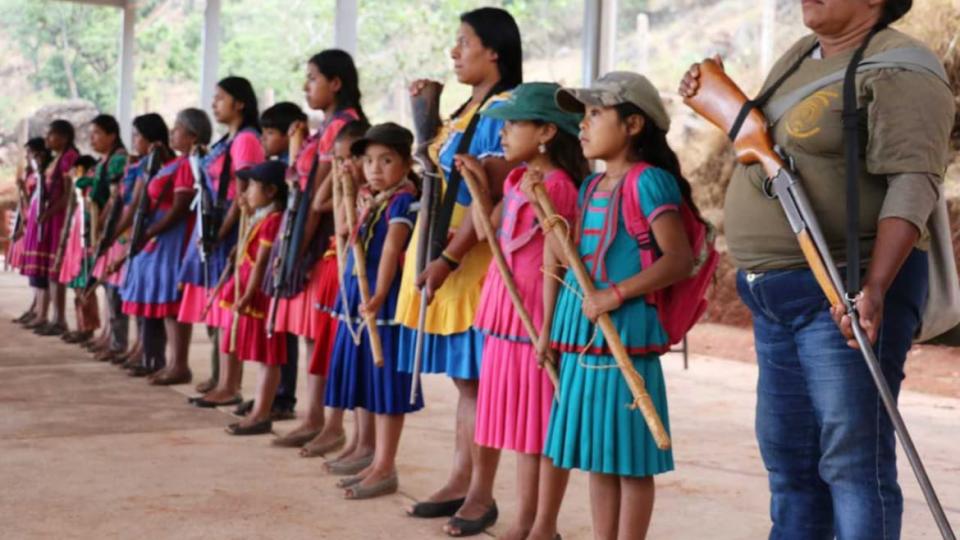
point(721, 101)
point(426, 124)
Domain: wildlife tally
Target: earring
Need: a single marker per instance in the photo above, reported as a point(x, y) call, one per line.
point(542, 148)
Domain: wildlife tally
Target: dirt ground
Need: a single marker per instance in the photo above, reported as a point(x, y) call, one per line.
point(86, 452)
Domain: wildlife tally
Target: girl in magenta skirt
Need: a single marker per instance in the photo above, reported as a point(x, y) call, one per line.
point(234, 106)
point(515, 395)
point(47, 217)
point(39, 156)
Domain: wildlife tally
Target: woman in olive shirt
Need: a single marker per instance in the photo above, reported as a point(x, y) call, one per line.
point(827, 444)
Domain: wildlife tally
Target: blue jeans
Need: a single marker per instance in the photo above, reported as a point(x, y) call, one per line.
point(826, 441)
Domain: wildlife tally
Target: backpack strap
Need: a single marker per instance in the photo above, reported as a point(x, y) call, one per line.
point(915, 59)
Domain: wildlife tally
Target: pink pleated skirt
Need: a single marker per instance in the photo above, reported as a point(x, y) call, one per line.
point(513, 404)
point(193, 301)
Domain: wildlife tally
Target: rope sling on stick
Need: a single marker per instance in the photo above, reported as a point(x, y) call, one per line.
point(635, 381)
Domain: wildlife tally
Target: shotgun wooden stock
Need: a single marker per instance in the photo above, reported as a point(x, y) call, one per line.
point(641, 399)
point(360, 266)
point(238, 261)
point(480, 198)
point(720, 100)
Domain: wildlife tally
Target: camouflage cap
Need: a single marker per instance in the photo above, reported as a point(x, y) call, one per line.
point(613, 89)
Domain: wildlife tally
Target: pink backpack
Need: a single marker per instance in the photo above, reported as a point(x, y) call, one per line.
point(680, 305)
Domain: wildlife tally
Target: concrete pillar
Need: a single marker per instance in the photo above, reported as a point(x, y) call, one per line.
point(126, 89)
point(345, 26)
point(210, 58)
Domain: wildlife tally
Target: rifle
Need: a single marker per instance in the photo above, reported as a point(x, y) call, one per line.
point(720, 101)
point(224, 276)
point(141, 216)
point(41, 196)
point(349, 190)
point(104, 237)
point(480, 199)
point(238, 261)
point(67, 226)
point(203, 208)
point(17, 218)
point(294, 196)
point(426, 123)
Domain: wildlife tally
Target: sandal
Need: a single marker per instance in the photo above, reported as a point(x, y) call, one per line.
point(387, 486)
point(35, 323)
point(50, 330)
point(206, 386)
point(171, 380)
point(348, 467)
point(206, 404)
point(473, 527)
point(291, 440)
point(26, 317)
point(260, 428)
point(317, 450)
point(344, 483)
point(140, 370)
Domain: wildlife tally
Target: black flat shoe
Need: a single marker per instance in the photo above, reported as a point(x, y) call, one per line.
point(142, 371)
point(260, 428)
point(429, 510)
point(244, 408)
point(206, 404)
point(473, 527)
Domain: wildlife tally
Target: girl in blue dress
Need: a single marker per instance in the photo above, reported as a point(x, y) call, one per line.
point(384, 224)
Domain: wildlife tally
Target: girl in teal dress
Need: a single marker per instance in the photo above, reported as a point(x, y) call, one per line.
point(591, 428)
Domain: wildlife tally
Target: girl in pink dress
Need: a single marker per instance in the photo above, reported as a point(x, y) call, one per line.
point(37, 154)
point(515, 396)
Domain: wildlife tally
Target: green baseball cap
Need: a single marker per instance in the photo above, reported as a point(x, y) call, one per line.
point(535, 101)
point(615, 88)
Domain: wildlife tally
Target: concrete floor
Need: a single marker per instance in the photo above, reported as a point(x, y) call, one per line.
point(86, 452)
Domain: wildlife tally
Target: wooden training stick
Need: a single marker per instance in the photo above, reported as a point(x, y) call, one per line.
point(641, 399)
point(479, 198)
point(241, 247)
point(339, 244)
point(360, 265)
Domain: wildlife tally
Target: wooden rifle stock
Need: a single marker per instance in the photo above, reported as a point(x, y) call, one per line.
point(641, 399)
point(360, 265)
point(720, 101)
point(480, 198)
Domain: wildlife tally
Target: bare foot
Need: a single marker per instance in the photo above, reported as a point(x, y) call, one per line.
point(303, 429)
point(518, 531)
point(219, 395)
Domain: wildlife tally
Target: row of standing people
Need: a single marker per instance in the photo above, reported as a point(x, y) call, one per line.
point(511, 137)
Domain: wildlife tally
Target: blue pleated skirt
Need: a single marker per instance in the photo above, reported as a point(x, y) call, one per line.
point(457, 355)
point(151, 276)
point(592, 428)
point(354, 381)
point(191, 269)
